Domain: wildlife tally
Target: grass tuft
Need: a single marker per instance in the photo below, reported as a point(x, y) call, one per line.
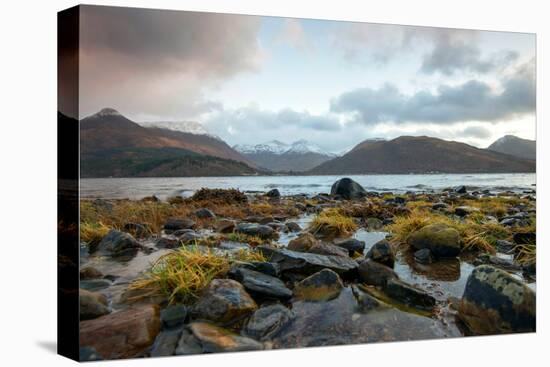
point(332, 223)
point(92, 233)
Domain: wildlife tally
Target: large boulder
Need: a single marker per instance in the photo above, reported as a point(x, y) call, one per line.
point(267, 321)
point(273, 193)
point(224, 301)
point(261, 284)
point(255, 229)
point(303, 242)
point(92, 305)
point(348, 189)
point(117, 243)
point(382, 252)
point(374, 273)
point(441, 239)
point(494, 302)
point(322, 286)
point(123, 334)
point(214, 339)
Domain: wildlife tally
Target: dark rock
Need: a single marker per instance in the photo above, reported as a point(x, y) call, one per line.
point(165, 343)
point(274, 193)
point(173, 316)
point(440, 206)
point(205, 213)
point(225, 226)
point(173, 224)
point(152, 199)
point(322, 286)
point(509, 222)
point(352, 245)
point(461, 190)
point(303, 242)
point(268, 268)
point(365, 301)
point(190, 237)
point(382, 252)
point(293, 227)
point(306, 263)
point(261, 284)
point(522, 238)
point(137, 229)
point(463, 211)
point(374, 273)
point(165, 242)
point(92, 305)
point(116, 243)
point(423, 256)
point(188, 344)
point(373, 224)
point(530, 269)
point(399, 200)
point(409, 295)
point(267, 321)
point(494, 302)
point(322, 248)
point(254, 229)
point(90, 272)
point(216, 340)
point(348, 189)
point(181, 232)
point(224, 301)
point(278, 226)
point(87, 354)
point(442, 240)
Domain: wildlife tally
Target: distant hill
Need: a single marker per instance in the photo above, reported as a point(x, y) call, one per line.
point(280, 157)
point(124, 148)
point(423, 154)
point(518, 147)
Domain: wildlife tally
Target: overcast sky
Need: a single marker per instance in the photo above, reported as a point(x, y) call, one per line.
point(253, 79)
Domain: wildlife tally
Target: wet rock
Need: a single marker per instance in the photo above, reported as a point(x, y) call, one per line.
point(373, 224)
point(165, 242)
point(382, 253)
point(90, 272)
point(137, 229)
point(215, 339)
point(173, 316)
point(423, 256)
point(274, 193)
point(261, 284)
point(278, 226)
point(190, 237)
point(268, 268)
point(509, 222)
point(267, 321)
point(352, 245)
point(494, 302)
point(440, 239)
point(440, 206)
point(293, 227)
point(225, 226)
point(322, 248)
point(530, 269)
point(174, 224)
point(92, 305)
point(460, 189)
point(95, 284)
point(181, 232)
point(365, 301)
point(87, 354)
point(322, 286)
point(205, 213)
point(303, 242)
point(117, 243)
point(165, 343)
point(224, 301)
point(348, 189)
point(254, 229)
point(463, 211)
point(307, 263)
point(374, 273)
point(188, 344)
point(123, 334)
point(525, 237)
point(409, 295)
point(444, 269)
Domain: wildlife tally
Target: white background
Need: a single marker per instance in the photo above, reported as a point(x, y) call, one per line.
point(28, 182)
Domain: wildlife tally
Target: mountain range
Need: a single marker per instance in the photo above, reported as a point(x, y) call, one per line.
point(512, 145)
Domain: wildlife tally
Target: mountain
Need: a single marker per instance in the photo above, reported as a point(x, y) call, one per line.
point(113, 140)
point(191, 127)
point(277, 156)
point(408, 154)
point(518, 147)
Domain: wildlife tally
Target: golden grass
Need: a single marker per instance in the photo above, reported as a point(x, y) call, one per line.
point(526, 254)
point(245, 238)
point(332, 223)
point(180, 276)
point(92, 233)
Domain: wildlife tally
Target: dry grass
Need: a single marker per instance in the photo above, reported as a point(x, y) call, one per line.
point(332, 223)
point(526, 254)
point(181, 276)
point(92, 233)
point(245, 238)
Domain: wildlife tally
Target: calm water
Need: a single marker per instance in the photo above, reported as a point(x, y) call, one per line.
point(135, 188)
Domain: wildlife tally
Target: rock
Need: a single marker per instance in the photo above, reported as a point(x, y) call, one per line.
point(224, 301)
point(117, 243)
point(409, 295)
point(382, 253)
point(352, 245)
point(322, 286)
point(348, 189)
point(152, 199)
point(373, 224)
point(440, 239)
point(123, 334)
point(254, 229)
point(87, 354)
point(494, 302)
point(188, 344)
point(522, 238)
point(267, 321)
point(92, 305)
point(274, 193)
point(322, 248)
point(215, 339)
point(460, 189)
point(165, 343)
point(94, 285)
point(440, 206)
point(90, 272)
point(261, 284)
point(190, 237)
point(365, 301)
point(278, 226)
point(181, 232)
point(173, 316)
point(463, 211)
point(165, 242)
point(509, 222)
point(293, 227)
point(306, 263)
point(423, 256)
point(173, 224)
point(303, 242)
point(136, 229)
point(225, 226)
point(205, 213)
point(268, 268)
point(373, 273)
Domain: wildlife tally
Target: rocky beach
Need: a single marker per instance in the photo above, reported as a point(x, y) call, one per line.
point(224, 270)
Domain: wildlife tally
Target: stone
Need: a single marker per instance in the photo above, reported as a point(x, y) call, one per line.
point(409, 295)
point(190, 236)
point(117, 243)
point(306, 263)
point(440, 206)
point(365, 301)
point(267, 321)
point(373, 224)
point(323, 248)
point(322, 286)
point(261, 284)
point(522, 238)
point(165, 242)
point(303, 242)
point(95, 285)
point(423, 256)
point(123, 334)
point(273, 193)
point(494, 302)
point(225, 226)
point(440, 239)
point(205, 213)
point(374, 273)
point(173, 224)
point(165, 343)
point(173, 316)
point(92, 305)
point(225, 301)
point(268, 268)
point(382, 253)
point(254, 229)
point(463, 211)
point(90, 272)
point(461, 189)
point(214, 339)
point(293, 227)
point(136, 229)
point(348, 189)
point(188, 344)
point(352, 245)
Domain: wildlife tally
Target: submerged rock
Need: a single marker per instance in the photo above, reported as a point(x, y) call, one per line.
point(117, 243)
point(348, 189)
point(352, 245)
point(494, 302)
point(92, 305)
point(215, 339)
point(441, 239)
point(321, 286)
point(261, 284)
point(267, 321)
point(382, 252)
point(409, 295)
point(255, 229)
point(374, 273)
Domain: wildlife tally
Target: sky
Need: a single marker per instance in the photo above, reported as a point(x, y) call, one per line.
point(252, 79)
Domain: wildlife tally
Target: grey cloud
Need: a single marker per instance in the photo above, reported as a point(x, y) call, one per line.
point(478, 132)
point(471, 101)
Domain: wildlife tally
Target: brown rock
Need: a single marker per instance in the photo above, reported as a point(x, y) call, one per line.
point(303, 242)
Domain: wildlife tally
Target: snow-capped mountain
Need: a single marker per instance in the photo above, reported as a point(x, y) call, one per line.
point(512, 145)
point(191, 127)
point(278, 156)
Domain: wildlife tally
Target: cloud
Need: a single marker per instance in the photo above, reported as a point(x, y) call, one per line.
point(471, 101)
point(478, 132)
point(159, 62)
point(292, 33)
